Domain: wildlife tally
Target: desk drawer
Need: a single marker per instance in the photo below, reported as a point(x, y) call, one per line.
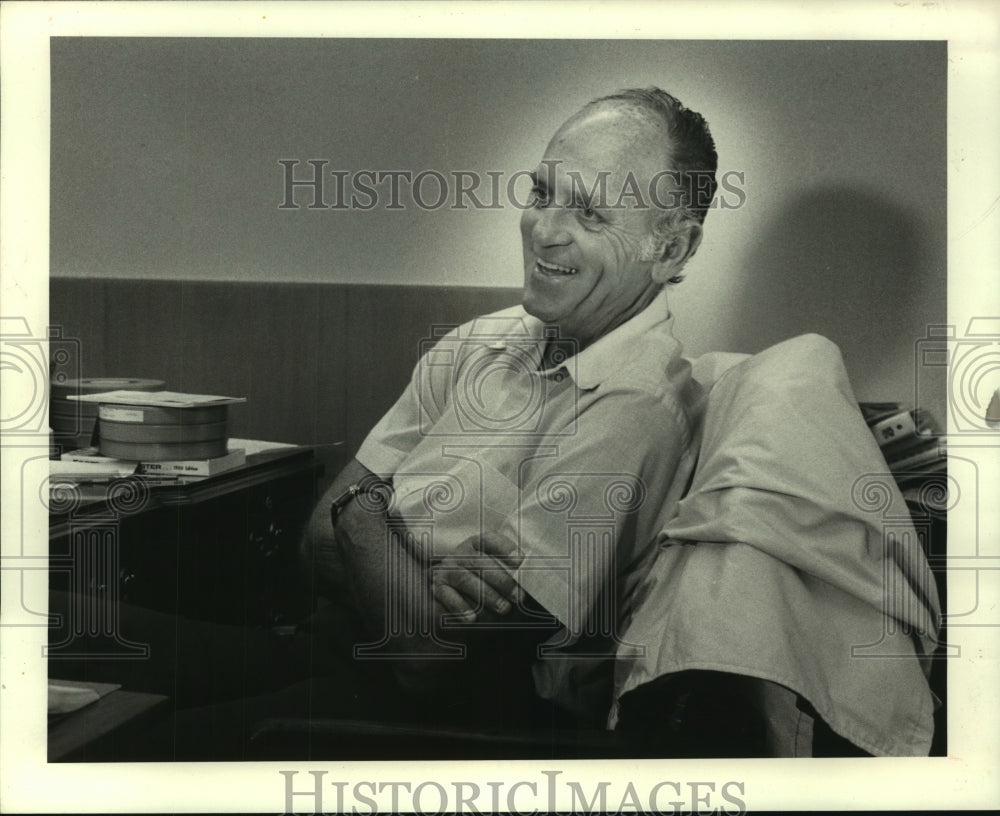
point(230, 559)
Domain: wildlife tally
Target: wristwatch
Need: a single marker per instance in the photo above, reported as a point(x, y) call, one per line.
point(372, 486)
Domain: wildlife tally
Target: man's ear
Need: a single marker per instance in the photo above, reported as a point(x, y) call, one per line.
point(678, 245)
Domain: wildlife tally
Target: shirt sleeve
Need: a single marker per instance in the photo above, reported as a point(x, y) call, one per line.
point(403, 427)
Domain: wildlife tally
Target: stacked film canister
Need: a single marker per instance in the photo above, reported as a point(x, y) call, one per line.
point(73, 422)
point(147, 433)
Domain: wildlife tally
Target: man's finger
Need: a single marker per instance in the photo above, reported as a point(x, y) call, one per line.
point(475, 589)
point(472, 544)
point(501, 548)
point(473, 585)
point(453, 601)
point(502, 582)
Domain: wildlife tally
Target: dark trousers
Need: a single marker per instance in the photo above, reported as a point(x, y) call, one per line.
point(226, 682)
point(709, 714)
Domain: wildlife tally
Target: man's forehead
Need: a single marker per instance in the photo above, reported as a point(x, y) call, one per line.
point(609, 138)
point(615, 114)
point(613, 122)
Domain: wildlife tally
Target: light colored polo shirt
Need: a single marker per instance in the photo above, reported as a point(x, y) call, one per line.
point(580, 464)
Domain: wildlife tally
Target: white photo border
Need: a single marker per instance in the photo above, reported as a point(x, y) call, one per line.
point(966, 779)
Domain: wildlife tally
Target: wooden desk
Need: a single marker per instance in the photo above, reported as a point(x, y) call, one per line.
point(221, 549)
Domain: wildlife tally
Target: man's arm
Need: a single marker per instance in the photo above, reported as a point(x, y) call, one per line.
point(319, 552)
point(355, 559)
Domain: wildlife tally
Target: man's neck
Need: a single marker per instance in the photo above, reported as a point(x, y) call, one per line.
point(563, 346)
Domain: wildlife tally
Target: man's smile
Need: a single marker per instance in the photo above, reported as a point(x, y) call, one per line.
point(553, 270)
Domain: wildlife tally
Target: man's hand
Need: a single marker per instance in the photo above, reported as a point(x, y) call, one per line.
point(477, 576)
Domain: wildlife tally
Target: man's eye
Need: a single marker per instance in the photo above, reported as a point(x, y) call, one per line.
point(538, 196)
point(589, 214)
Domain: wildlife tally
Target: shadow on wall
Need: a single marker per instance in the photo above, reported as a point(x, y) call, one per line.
point(841, 262)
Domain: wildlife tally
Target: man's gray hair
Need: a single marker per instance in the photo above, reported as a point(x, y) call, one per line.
point(692, 153)
point(692, 149)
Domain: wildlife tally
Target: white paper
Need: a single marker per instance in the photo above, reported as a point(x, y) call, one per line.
point(162, 399)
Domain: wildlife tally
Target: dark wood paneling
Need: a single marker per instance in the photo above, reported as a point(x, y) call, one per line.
point(142, 327)
point(219, 338)
point(331, 373)
point(318, 363)
point(301, 337)
point(388, 327)
point(77, 309)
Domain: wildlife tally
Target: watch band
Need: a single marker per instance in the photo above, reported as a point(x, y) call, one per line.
point(371, 485)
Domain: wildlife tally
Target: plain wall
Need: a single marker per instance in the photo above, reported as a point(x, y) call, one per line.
point(165, 166)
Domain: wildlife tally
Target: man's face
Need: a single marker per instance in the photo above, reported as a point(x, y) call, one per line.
point(589, 264)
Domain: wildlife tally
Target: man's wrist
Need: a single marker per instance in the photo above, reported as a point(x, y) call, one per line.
point(374, 492)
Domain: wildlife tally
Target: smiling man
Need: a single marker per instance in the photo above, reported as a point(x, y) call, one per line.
point(501, 550)
point(537, 450)
point(594, 259)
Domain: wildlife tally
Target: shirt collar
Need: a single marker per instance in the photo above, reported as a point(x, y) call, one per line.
point(604, 357)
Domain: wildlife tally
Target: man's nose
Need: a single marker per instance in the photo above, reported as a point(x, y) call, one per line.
point(550, 227)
